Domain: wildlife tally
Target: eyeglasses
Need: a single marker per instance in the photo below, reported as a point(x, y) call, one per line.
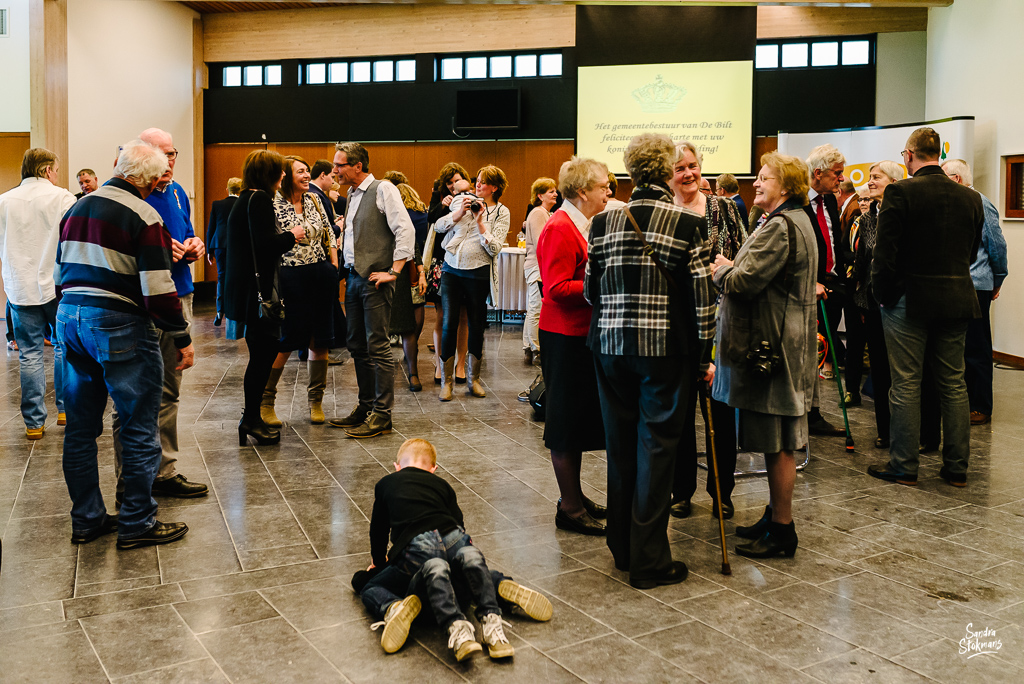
point(904, 153)
point(172, 155)
point(762, 179)
point(341, 166)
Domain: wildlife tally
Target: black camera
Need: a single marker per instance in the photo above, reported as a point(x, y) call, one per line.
point(475, 206)
point(763, 361)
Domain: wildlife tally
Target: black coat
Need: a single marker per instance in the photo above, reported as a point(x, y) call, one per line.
point(929, 229)
point(832, 207)
point(216, 229)
point(240, 303)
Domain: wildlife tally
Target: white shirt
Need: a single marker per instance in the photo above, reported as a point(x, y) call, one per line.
point(30, 217)
point(816, 199)
point(535, 222)
point(463, 251)
point(581, 222)
point(389, 202)
point(613, 204)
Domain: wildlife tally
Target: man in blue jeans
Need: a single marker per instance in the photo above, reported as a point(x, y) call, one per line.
point(115, 266)
point(929, 229)
point(29, 229)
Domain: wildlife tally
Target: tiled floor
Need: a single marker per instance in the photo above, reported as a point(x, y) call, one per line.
point(885, 584)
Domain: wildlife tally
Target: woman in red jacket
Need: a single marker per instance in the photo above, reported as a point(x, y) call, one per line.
point(573, 423)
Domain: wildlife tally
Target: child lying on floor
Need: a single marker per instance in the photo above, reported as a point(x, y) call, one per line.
point(429, 550)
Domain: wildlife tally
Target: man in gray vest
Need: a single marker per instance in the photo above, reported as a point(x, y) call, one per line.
point(377, 241)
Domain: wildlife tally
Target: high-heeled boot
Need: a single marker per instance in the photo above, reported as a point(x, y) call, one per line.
point(473, 384)
point(315, 393)
point(777, 539)
point(448, 383)
point(269, 395)
point(258, 430)
point(757, 529)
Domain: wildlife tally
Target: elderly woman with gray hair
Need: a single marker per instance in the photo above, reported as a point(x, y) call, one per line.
point(651, 330)
point(573, 410)
point(766, 342)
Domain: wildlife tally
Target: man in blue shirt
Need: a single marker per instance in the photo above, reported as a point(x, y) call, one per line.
point(171, 202)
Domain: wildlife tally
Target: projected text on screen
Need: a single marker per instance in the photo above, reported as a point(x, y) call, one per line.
point(708, 103)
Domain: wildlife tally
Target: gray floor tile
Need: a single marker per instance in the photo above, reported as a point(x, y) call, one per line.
point(36, 581)
point(101, 561)
point(942, 661)
point(141, 640)
point(264, 527)
point(121, 601)
point(614, 658)
point(34, 660)
point(94, 588)
point(35, 538)
point(863, 667)
point(221, 612)
point(181, 563)
point(316, 604)
point(203, 671)
point(31, 616)
point(272, 558)
point(939, 551)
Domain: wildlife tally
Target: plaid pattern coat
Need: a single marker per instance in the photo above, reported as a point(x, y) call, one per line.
point(636, 311)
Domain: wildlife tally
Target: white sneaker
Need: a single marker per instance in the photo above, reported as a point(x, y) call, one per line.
point(533, 603)
point(396, 623)
point(494, 637)
point(462, 640)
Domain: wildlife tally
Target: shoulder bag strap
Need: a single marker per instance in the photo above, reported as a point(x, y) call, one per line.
point(252, 246)
point(649, 251)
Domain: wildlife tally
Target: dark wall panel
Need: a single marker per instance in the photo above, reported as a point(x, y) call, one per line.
point(808, 100)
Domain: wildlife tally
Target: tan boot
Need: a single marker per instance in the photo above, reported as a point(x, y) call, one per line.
point(315, 393)
point(473, 384)
point(448, 384)
point(269, 395)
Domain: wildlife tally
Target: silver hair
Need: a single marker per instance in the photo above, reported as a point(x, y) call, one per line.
point(580, 174)
point(687, 145)
point(649, 157)
point(890, 168)
point(141, 163)
point(824, 157)
point(960, 168)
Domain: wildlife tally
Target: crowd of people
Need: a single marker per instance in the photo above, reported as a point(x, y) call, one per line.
point(637, 313)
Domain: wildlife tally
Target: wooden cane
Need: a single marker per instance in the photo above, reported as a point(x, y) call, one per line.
point(726, 570)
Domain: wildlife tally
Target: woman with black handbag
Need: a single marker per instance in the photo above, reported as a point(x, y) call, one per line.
point(766, 342)
point(252, 305)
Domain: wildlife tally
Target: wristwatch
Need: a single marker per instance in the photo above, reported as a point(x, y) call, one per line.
point(392, 272)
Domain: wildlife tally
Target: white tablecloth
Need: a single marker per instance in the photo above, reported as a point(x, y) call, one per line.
point(511, 279)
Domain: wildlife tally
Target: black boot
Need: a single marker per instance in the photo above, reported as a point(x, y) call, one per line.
point(259, 431)
point(757, 529)
point(778, 539)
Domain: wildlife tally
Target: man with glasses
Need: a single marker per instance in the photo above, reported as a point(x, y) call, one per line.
point(929, 230)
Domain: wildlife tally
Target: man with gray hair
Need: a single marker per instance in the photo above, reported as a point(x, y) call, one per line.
point(987, 272)
point(115, 267)
point(29, 229)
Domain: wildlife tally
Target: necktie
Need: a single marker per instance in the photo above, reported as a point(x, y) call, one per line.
point(823, 225)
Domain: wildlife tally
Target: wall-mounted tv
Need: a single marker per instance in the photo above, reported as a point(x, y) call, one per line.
point(487, 109)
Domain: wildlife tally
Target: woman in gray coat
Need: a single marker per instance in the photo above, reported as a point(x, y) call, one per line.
point(766, 342)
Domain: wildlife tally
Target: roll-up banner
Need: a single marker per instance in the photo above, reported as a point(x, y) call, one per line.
point(863, 147)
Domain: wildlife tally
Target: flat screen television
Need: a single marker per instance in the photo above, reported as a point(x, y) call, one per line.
point(487, 109)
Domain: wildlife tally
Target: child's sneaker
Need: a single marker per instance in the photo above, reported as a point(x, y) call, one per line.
point(397, 621)
point(494, 637)
point(462, 640)
point(533, 603)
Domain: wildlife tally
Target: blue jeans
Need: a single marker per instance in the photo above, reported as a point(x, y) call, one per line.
point(117, 354)
point(369, 314)
point(221, 257)
point(392, 584)
point(910, 341)
point(31, 323)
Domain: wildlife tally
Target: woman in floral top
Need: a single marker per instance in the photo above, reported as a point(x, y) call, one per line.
point(309, 288)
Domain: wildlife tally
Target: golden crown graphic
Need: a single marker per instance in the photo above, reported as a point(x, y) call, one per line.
point(659, 96)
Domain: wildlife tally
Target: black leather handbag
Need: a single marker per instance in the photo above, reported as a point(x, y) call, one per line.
point(538, 390)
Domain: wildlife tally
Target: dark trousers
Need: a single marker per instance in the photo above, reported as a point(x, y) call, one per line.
point(642, 407)
point(263, 349)
point(881, 378)
point(457, 292)
point(856, 340)
point(221, 257)
point(723, 417)
point(369, 314)
point(978, 357)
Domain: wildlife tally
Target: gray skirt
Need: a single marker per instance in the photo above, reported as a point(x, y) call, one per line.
point(770, 434)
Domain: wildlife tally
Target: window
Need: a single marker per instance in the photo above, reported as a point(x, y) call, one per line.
point(794, 55)
point(856, 52)
point(501, 67)
point(253, 75)
point(384, 71)
point(476, 67)
point(272, 75)
point(451, 68)
point(316, 74)
point(824, 54)
point(406, 69)
point(1014, 207)
point(551, 65)
point(232, 76)
point(766, 57)
point(360, 72)
point(526, 66)
point(337, 72)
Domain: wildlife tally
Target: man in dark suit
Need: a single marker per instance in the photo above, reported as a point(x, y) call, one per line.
point(727, 186)
point(929, 229)
point(826, 165)
point(216, 240)
point(849, 210)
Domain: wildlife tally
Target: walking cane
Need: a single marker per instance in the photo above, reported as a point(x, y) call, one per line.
point(839, 381)
point(726, 570)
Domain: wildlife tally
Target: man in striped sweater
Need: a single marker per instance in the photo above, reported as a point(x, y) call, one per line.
point(115, 264)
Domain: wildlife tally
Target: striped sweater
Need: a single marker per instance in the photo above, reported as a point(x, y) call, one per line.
point(114, 253)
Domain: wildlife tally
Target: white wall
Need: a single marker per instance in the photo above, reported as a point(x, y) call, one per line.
point(900, 82)
point(129, 68)
point(15, 95)
point(973, 50)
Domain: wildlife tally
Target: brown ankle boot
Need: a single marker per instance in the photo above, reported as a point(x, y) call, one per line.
point(448, 384)
point(473, 384)
point(269, 395)
point(315, 393)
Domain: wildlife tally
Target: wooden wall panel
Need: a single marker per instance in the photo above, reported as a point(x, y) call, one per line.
point(12, 150)
point(220, 162)
point(48, 26)
point(776, 21)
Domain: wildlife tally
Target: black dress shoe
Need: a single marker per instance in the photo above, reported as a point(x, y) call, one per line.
point(159, 533)
point(179, 487)
point(595, 509)
point(108, 525)
point(927, 448)
point(261, 432)
point(957, 480)
point(584, 524)
point(414, 384)
point(728, 510)
point(778, 538)
point(881, 443)
point(217, 320)
point(817, 425)
point(757, 529)
point(357, 417)
point(889, 475)
point(676, 575)
point(681, 509)
point(374, 425)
